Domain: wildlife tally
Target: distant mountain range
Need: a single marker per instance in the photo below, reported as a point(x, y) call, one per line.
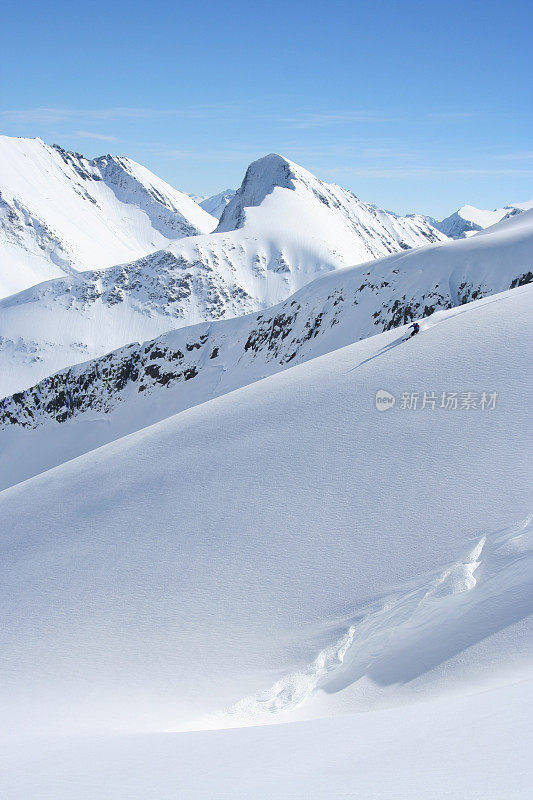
point(282, 228)
point(216, 204)
point(464, 222)
point(62, 214)
point(468, 220)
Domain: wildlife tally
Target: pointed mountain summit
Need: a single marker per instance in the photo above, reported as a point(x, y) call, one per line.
point(261, 178)
point(61, 212)
point(378, 232)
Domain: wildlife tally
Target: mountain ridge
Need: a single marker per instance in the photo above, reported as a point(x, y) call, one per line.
point(468, 219)
point(300, 229)
point(61, 212)
point(215, 204)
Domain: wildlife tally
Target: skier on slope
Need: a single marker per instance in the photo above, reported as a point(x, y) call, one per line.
point(416, 327)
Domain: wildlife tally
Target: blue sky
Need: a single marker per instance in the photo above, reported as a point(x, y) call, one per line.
point(416, 106)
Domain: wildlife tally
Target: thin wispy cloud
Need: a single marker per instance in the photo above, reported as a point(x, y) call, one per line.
point(186, 154)
point(216, 156)
point(389, 153)
point(48, 116)
point(525, 155)
point(103, 137)
point(304, 121)
point(420, 172)
point(451, 116)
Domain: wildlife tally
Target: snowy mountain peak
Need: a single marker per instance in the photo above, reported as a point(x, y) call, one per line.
point(61, 212)
point(127, 178)
point(131, 182)
point(468, 219)
point(329, 204)
point(261, 178)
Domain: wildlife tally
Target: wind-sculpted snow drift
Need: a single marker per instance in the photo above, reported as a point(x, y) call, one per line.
point(286, 534)
point(61, 212)
point(280, 230)
point(400, 636)
point(144, 383)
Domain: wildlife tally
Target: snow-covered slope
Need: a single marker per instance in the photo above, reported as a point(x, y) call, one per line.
point(284, 551)
point(469, 220)
point(359, 301)
point(461, 746)
point(60, 212)
point(282, 228)
point(216, 204)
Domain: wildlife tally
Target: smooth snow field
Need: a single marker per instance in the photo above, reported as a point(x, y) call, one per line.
point(286, 553)
point(473, 746)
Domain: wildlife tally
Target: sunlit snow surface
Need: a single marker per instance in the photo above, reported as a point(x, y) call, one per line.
point(286, 552)
point(462, 746)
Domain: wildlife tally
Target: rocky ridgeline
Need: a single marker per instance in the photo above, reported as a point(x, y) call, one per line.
point(331, 313)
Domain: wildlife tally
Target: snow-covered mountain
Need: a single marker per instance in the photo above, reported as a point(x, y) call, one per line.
point(60, 212)
point(282, 229)
point(216, 204)
point(224, 527)
point(198, 198)
point(469, 220)
point(284, 552)
point(140, 384)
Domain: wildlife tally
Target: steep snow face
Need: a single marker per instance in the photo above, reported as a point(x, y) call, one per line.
point(84, 319)
point(469, 219)
point(377, 232)
point(60, 212)
point(285, 551)
point(216, 204)
point(288, 228)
